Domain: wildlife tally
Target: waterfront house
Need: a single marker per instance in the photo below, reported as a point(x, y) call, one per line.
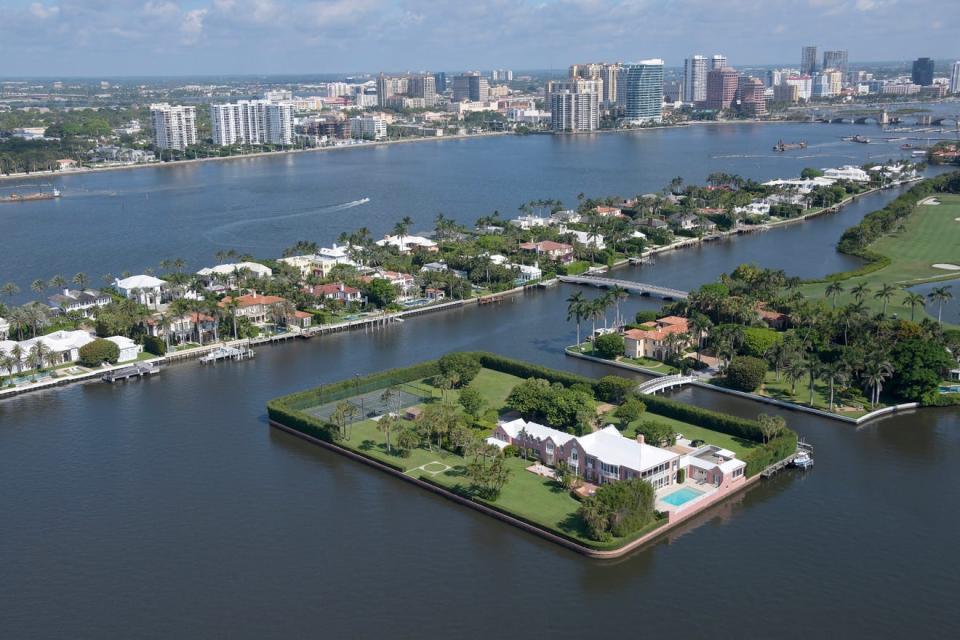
point(4, 329)
point(300, 319)
point(408, 244)
point(129, 350)
point(600, 457)
point(712, 465)
point(82, 302)
point(531, 222)
point(608, 212)
point(189, 327)
point(559, 251)
point(259, 309)
point(229, 274)
point(585, 238)
point(651, 341)
point(404, 283)
point(774, 319)
point(653, 223)
point(146, 290)
point(527, 273)
point(567, 215)
point(434, 295)
point(63, 346)
point(847, 172)
point(336, 291)
point(306, 264)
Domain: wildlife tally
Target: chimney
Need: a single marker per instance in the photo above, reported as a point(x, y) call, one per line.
point(66, 292)
point(640, 438)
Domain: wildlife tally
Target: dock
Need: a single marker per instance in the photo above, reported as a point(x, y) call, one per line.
point(138, 370)
point(243, 352)
point(802, 447)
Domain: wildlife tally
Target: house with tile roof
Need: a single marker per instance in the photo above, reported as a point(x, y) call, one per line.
point(651, 341)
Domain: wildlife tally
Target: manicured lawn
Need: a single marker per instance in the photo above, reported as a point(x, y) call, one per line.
point(738, 445)
point(931, 235)
point(821, 395)
point(494, 386)
point(654, 365)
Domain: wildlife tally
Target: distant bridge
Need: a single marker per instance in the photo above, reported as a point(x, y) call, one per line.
point(662, 384)
point(634, 287)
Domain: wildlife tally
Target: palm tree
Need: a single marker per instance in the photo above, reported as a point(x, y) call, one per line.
point(402, 228)
point(794, 370)
point(9, 289)
point(16, 352)
point(576, 310)
point(618, 293)
point(58, 282)
point(777, 355)
point(6, 365)
point(940, 295)
point(913, 300)
point(595, 310)
point(875, 372)
point(231, 305)
point(699, 325)
point(385, 425)
point(38, 286)
point(834, 289)
point(81, 280)
point(39, 355)
point(835, 372)
point(886, 292)
point(860, 291)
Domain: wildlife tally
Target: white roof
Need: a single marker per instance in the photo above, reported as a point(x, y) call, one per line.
point(610, 446)
point(500, 444)
point(535, 430)
point(730, 465)
point(58, 341)
point(122, 341)
point(229, 269)
point(408, 241)
point(139, 282)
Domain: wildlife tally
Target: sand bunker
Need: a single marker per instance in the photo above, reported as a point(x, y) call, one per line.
point(948, 267)
point(930, 200)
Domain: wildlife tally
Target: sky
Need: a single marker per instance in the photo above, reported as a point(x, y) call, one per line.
point(202, 37)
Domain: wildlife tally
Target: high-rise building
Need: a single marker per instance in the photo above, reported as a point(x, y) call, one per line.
point(752, 100)
point(609, 75)
point(922, 72)
point(640, 85)
point(368, 127)
point(441, 78)
point(721, 88)
point(718, 61)
point(804, 85)
point(423, 86)
point(695, 79)
point(955, 77)
point(252, 122)
point(501, 75)
point(786, 92)
point(808, 61)
point(574, 111)
point(470, 86)
point(174, 127)
point(384, 90)
point(835, 60)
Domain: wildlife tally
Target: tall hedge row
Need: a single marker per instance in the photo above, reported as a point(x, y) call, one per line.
point(349, 387)
point(759, 458)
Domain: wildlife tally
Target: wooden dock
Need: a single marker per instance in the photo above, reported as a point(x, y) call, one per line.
point(138, 370)
point(243, 352)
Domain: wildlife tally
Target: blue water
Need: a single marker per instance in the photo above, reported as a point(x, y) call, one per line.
point(681, 496)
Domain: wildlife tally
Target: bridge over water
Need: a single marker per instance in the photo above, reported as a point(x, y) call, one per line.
point(641, 288)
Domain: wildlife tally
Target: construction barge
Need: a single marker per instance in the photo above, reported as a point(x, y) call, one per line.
point(32, 195)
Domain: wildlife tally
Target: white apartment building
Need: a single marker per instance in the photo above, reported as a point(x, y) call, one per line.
point(695, 79)
point(174, 126)
point(955, 77)
point(252, 122)
point(368, 127)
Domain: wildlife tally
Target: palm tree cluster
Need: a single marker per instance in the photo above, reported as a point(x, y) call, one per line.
point(580, 308)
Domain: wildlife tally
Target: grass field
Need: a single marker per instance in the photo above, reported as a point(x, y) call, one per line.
point(930, 236)
point(740, 446)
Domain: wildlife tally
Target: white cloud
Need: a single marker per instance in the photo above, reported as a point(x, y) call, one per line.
point(192, 25)
point(161, 9)
point(38, 10)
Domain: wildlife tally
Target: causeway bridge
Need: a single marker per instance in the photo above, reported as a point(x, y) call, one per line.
point(663, 383)
point(633, 287)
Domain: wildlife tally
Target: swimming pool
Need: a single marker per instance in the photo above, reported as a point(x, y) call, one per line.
point(681, 496)
point(950, 388)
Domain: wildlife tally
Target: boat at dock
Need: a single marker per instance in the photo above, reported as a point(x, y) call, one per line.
point(802, 460)
point(30, 196)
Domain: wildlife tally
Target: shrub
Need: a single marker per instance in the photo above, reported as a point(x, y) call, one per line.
point(756, 340)
point(511, 451)
point(644, 317)
point(746, 373)
point(462, 365)
point(613, 389)
point(681, 476)
point(657, 433)
point(155, 345)
point(95, 353)
point(618, 508)
point(609, 345)
point(630, 410)
point(471, 401)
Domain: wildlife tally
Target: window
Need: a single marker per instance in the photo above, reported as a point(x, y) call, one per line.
point(609, 469)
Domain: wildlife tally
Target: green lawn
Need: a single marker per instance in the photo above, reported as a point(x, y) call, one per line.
point(739, 446)
point(931, 235)
point(853, 399)
point(647, 363)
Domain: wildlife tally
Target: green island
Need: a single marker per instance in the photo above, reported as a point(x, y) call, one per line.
point(437, 422)
point(848, 345)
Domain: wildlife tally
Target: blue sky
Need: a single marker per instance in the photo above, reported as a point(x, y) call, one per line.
point(176, 37)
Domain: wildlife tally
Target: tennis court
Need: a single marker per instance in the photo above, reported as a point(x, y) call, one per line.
point(375, 403)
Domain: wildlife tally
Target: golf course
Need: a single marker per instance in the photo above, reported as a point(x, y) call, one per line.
point(926, 248)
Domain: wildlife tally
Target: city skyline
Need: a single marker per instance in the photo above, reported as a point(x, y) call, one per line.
point(208, 37)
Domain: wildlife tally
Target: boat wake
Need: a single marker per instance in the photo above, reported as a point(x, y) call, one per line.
point(237, 233)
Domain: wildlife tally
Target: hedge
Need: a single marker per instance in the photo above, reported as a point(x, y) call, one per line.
point(759, 458)
point(155, 345)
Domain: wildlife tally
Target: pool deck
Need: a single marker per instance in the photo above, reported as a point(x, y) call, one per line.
point(710, 494)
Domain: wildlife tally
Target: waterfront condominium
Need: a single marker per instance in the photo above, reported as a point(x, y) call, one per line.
point(252, 122)
point(835, 60)
point(423, 86)
point(808, 61)
point(604, 72)
point(574, 104)
point(641, 86)
point(695, 79)
point(721, 88)
point(718, 61)
point(955, 77)
point(174, 127)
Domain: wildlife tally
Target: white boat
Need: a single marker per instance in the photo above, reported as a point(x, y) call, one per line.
point(803, 460)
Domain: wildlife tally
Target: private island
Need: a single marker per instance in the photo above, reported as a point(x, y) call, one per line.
point(592, 465)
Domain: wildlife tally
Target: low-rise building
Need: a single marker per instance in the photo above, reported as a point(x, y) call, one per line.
point(527, 273)
point(652, 342)
point(559, 251)
point(848, 172)
point(62, 347)
point(259, 309)
point(408, 244)
point(147, 290)
point(229, 274)
point(82, 302)
point(4, 329)
point(129, 350)
point(335, 291)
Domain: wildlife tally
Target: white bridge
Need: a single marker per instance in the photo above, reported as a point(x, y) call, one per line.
point(662, 384)
point(634, 287)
